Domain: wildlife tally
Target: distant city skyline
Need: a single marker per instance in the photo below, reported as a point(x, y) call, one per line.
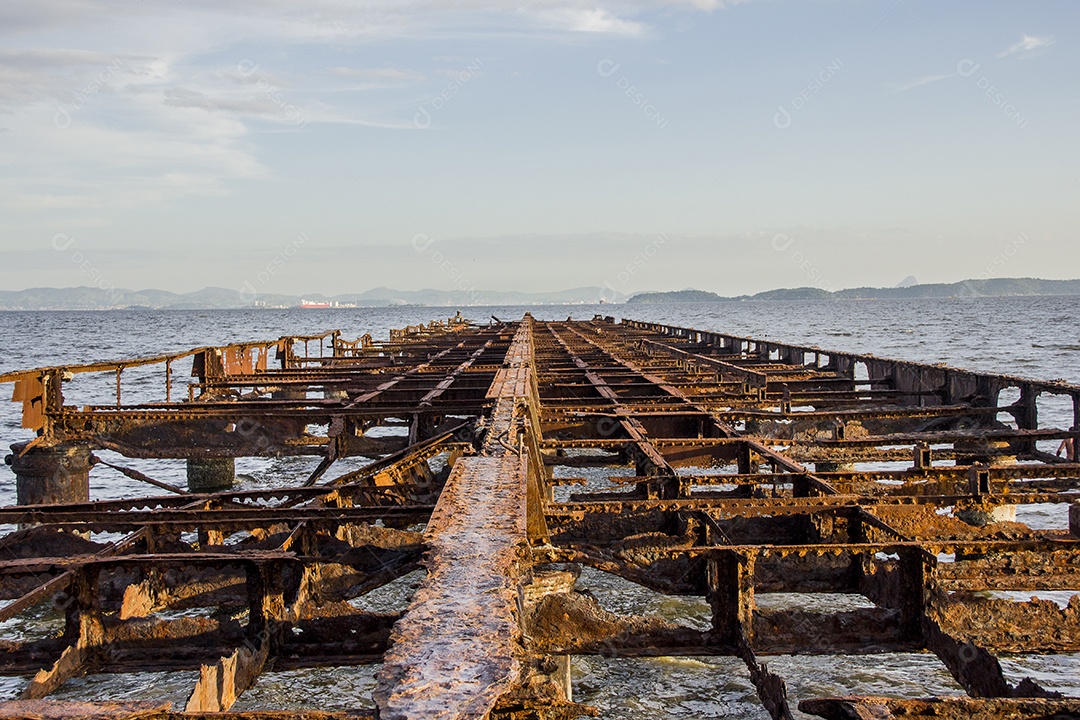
point(643, 145)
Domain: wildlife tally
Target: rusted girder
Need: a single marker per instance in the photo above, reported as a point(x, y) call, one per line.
point(457, 650)
point(883, 708)
point(709, 465)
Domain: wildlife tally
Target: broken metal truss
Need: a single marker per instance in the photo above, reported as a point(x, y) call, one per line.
point(711, 465)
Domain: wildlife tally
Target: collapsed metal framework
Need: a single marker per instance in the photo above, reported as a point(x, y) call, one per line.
point(710, 465)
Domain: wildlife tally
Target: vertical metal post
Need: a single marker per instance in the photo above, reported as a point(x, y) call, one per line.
point(730, 578)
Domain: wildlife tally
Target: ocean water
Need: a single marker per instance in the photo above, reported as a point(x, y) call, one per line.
point(1034, 337)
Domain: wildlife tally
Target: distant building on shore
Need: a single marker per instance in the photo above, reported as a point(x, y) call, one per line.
point(318, 304)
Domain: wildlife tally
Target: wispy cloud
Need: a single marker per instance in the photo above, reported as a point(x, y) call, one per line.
point(1028, 46)
point(338, 20)
point(389, 74)
point(178, 99)
point(594, 20)
point(919, 82)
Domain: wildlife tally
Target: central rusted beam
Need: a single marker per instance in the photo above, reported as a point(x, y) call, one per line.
point(458, 648)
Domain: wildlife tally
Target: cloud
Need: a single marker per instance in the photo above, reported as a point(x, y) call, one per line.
point(61, 74)
point(1029, 46)
point(595, 20)
point(919, 82)
point(387, 73)
point(178, 99)
point(184, 97)
point(317, 20)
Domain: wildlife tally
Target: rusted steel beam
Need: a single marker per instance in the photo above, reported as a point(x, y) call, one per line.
point(171, 429)
point(420, 369)
point(816, 485)
point(1005, 626)
point(58, 584)
point(720, 507)
point(70, 710)
point(220, 684)
point(570, 552)
point(651, 461)
point(771, 688)
point(729, 577)
point(233, 519)
point(975, 668)
point(945, 708)
point(457, 649)
point(723, 340)
point(83, 654)
point(31, 566)
point(445, 383)
point(725, 505)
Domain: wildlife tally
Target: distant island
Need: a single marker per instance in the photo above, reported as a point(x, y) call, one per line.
point(211, 298)
point(994, 287)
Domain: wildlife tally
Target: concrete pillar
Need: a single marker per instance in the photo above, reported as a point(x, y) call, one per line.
point(982, 452)
point(210, 474)
point(983, 516)
point(59, 474)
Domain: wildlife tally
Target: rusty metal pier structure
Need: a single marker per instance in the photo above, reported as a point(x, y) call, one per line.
point(692, 463)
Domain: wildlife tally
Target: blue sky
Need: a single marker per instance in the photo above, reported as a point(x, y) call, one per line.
point(733, 147)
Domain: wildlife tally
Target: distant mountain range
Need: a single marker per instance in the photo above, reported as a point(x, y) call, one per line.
point(87, 298)
point(994, 287)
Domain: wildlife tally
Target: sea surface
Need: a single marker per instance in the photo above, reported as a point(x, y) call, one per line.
point(1035, 337)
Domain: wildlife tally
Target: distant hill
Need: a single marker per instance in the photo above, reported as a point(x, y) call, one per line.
point(677, 296)
point(994, 287)
point(90, 298)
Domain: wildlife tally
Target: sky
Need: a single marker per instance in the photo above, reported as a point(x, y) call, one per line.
point(332, 146)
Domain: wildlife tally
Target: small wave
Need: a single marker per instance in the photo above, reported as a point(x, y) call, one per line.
point(681, 662)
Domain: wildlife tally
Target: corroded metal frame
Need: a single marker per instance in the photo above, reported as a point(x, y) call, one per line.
point(713, 465)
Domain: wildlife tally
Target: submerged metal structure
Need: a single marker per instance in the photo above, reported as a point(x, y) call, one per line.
point(690, 462)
